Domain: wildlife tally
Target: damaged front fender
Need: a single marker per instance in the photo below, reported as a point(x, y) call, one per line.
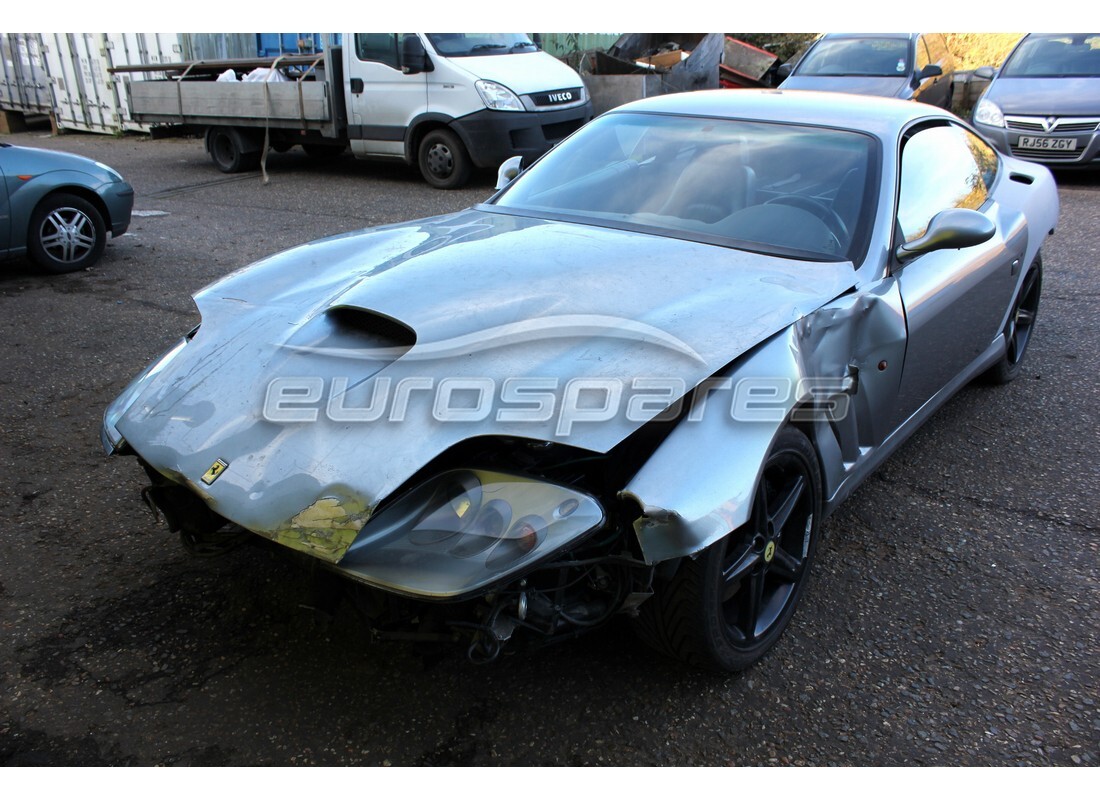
point(835, 373)
point(723, 455)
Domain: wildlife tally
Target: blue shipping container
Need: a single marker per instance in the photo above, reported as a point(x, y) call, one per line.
point(274, 44)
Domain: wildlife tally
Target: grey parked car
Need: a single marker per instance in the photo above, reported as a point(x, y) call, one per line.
point(1044, 103)
point(632, 382)
point(58, 208)
point(908, 66)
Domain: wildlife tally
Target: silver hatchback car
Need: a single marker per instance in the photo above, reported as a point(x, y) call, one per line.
point(1044, 103)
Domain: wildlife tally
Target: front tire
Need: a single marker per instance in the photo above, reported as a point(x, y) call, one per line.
point(443, 159)
point(728, 607)
point(66, 234)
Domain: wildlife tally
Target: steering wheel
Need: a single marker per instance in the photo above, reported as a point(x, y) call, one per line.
point(831, 219)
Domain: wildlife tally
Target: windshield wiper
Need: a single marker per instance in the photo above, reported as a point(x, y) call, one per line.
point(493, 46)
point(518, 45)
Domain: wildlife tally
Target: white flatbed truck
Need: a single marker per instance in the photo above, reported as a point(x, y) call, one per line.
point(447, 103)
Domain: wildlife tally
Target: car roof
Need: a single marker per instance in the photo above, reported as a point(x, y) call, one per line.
point(879, 116)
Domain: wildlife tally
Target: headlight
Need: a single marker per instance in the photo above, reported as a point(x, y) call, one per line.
point(465, 529)
point(988, 113)
point(497, 97)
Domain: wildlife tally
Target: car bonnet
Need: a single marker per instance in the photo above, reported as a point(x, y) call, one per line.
point(487, 297)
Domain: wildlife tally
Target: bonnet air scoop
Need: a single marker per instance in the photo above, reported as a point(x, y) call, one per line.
point(357, 333)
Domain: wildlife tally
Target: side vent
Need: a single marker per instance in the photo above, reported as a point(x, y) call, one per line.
point(1019, 177)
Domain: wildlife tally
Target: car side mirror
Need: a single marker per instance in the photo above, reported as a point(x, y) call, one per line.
point(985, 73)
point(414, 58)
point(509, 171)
point(930, 71)
point(950, 230)
point(784, 71)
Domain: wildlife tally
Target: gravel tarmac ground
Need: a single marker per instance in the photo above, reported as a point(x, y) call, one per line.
point(953, 617)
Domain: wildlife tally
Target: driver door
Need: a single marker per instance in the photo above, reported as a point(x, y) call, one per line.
point(955, 300)
point(381, 99)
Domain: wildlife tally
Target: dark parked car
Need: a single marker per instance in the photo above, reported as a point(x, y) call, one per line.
point(634, 381)
point(908, 66)
point(1044, 103)
point(58, 207)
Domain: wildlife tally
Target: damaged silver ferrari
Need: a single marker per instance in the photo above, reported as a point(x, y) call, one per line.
point(634, 381)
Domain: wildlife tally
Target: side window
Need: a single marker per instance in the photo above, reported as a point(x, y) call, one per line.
point(942, 167)
point(987, 159)
point(377, 47)
point(937, 47)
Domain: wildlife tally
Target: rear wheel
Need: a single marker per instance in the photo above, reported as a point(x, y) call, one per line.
point(1020, 325)
point(443, 159)
point(229, 151)
point(725, 609)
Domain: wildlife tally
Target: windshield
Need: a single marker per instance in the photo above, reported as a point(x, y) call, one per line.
point(770, 187)
point(864, 57)
point(1058, 55)
point(459, 45)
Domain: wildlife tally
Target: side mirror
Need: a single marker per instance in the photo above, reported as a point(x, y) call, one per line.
point(509, 171)
point(950, 230)
point(414, 58)
point(930, 71)
point(985, 73)
point(784, 71)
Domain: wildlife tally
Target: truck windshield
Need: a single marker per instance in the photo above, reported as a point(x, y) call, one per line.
point(459, 45)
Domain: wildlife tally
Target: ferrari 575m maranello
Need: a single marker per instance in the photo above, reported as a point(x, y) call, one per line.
point(634, 381)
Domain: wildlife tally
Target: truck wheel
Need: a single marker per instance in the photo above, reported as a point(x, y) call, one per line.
point(227, 150)
point(443, 160)
point(66, 233)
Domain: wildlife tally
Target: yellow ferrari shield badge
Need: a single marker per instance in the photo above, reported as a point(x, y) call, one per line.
point(216, 469)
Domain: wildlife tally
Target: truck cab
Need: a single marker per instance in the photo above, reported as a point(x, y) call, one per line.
point(452, 102)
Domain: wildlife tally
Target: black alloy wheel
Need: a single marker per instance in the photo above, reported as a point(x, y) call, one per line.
point(1020, 326)
point(725, 609)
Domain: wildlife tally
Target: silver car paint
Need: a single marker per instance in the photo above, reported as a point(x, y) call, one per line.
point(900, 333)
point(1041, 107)
point(860, 324)
point(723, 305)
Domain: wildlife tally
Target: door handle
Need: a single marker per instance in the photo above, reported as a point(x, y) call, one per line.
point(356, 86)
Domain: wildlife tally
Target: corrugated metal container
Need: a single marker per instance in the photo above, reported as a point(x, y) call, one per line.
point(274, 44)
point(24, 83)
point(217, 46)
point(86, 96)
point(562, 44)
